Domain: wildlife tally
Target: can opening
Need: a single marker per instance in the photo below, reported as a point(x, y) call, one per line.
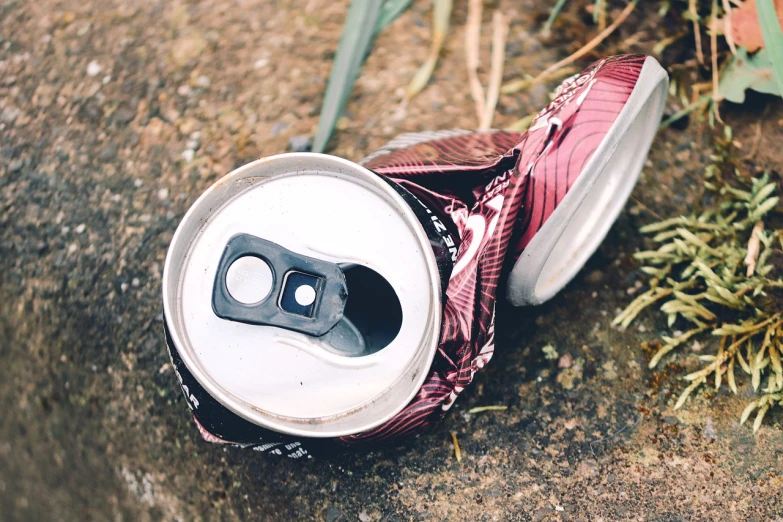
point(373, 313)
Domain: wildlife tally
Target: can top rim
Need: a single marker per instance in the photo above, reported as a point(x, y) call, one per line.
point(368, 415)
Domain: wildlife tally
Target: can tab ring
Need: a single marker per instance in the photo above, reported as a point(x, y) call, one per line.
point(262, 283)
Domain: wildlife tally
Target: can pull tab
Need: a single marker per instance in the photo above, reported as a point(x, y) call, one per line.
point(259, 282)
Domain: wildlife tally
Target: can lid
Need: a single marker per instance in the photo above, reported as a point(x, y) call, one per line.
point(583, 217)
point(336, 215)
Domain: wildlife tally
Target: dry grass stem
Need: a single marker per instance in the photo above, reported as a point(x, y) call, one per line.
point(472, 39)
point(589, 46)
point(716, 96)
point(455, 442)
point(600, 10)
point(696, 31)
point(479, 409)
point(441, 12)
point(518, 85)
point(499, 34)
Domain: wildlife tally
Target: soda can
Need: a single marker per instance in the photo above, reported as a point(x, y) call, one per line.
point(303, 295)
point(309, 298)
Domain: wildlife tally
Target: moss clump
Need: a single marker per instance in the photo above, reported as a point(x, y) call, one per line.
point(717, 272)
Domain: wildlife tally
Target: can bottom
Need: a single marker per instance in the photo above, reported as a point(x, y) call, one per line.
point(582, 219)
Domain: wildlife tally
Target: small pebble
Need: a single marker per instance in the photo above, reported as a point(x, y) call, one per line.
point(135, 281)
point(163, 194)
point(108, 153)
point(566, 360)
point(260, 64)
point(278, 127)
point(299, 143)
point(16, 165)
point(73, 247)
point(332, 514)
point(10, 114)
point(124, 115)
point(188, 155)
point(203, 81)
point(79, 229)
point(709, 431)
point(596, 276)
point(94, 68)
point(138, 183)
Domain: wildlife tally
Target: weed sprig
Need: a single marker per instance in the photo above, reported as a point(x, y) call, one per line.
point(716, 272)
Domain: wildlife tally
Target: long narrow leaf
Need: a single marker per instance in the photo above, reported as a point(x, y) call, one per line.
point(553, 15)
point(773, 37)
point(441, 12)
point(390, 10)
point(355, 42)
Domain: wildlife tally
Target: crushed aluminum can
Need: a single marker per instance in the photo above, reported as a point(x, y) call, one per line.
point(308, 297)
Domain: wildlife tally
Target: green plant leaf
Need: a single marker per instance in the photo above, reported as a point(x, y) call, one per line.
point(358, 33)
point(365, 19)
point(553, 15)
point(773, 37)
point(748, 72)
point(390, 10)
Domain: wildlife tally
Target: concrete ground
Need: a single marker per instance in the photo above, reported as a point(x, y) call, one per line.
point(116, 115)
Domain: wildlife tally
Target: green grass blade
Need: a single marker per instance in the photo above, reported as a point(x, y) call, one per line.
point(358, 33)
point(390, 10)
point(553, 15)
point(701, 102)
point(773, 37)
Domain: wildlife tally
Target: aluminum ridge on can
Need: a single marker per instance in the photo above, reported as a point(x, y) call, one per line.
point(329, 209)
